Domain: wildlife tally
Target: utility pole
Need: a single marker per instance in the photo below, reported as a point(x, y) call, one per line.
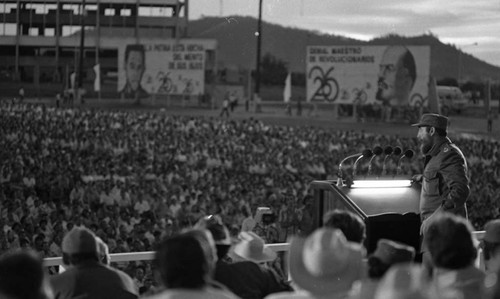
point(82, 47)
point(259, 42)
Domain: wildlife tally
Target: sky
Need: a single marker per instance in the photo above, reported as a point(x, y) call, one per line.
point(471, 25)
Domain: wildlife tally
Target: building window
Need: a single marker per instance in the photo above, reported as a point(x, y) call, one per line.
point(33, 31)
point(125, 12)
point(109, 12)
point(8, 29)
point(50, 32)
point(69, 30)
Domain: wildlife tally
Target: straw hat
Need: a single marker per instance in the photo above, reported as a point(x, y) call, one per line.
point(325, 262)
point(251, 247)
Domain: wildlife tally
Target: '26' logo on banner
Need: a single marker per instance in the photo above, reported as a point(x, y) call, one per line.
point(327, 88)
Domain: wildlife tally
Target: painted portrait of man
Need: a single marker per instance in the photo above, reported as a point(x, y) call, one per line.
point(396, 76)
point(134, 66)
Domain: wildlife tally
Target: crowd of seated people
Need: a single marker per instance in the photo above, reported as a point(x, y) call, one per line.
point(203, 262)
point(135, 178)
point(137, 175)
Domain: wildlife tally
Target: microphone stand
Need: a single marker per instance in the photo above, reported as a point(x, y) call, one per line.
point(340, 175)
point(384, 166)
point(376, 151)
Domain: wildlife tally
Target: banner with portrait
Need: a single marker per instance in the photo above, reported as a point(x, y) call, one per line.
point(390, 75)
point(164, 67)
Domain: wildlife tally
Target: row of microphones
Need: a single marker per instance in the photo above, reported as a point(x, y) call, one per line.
point(389, 151)
point(372, 154)
point(408, 154)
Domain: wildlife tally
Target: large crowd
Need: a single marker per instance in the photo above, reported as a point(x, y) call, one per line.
point(135, 178)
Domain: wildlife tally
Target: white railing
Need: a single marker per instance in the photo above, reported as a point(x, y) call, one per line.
point(148, 255)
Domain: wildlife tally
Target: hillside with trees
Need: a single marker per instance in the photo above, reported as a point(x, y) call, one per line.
point(237, 47)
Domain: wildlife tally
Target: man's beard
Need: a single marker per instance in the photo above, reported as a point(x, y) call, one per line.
point(425, 146)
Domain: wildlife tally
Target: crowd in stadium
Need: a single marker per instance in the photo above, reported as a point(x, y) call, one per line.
point(135, 178)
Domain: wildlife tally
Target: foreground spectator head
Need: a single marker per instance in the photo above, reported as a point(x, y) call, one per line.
point(184, 261)
point(403, 281)
point(453, 251)
point(387, 254)
point(491, 246)
point(450, 242)
point(219, 231)
point(204, 237)
point(22, 276)
point(79, 245)
point(251, 247)
point(351, 225)
point(325, 262)
point(86, 276)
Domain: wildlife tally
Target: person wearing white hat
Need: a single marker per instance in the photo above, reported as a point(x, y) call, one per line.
point(248, 276)
point(323, 265)
point(252, 248)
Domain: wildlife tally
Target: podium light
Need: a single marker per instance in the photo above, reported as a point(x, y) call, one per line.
point(381, 184)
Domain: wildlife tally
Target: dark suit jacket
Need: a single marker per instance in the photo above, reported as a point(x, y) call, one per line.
point(93, 280)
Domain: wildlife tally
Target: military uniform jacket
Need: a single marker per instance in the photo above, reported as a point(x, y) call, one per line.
point(445, 185)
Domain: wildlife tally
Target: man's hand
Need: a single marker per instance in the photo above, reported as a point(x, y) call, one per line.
point(417, 178)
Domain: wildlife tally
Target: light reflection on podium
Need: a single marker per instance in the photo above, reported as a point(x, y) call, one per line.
point(389, 208)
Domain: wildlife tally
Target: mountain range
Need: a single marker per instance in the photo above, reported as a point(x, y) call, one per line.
point(237, 45)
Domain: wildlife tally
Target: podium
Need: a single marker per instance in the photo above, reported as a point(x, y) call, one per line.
point(388, 212)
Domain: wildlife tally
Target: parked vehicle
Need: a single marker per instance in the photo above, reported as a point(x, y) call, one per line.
point(451, 99)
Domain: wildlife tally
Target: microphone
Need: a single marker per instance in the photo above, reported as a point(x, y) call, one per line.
point(387, 151)
point(340, 173)
point(376, 152)
point(397, 151)
point(367, 153)
point(408, 154)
